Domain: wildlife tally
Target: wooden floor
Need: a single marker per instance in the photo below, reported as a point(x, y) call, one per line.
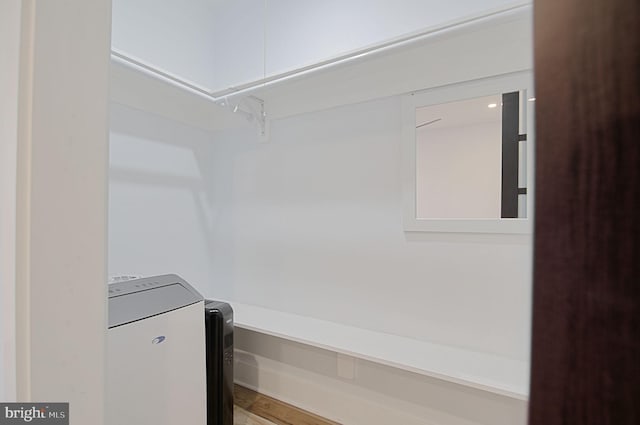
point(252, 408)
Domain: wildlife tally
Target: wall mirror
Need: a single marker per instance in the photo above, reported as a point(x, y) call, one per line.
point(468, 156)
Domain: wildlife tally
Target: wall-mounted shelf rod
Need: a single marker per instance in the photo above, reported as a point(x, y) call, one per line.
point(141, 66)
point(246, 89)
point(461, 26)
point(254, 104)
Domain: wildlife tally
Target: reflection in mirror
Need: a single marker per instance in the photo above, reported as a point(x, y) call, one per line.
point(471, 158)
point(467, 156)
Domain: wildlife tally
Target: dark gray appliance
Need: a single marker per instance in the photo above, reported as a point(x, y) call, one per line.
point(219, 341)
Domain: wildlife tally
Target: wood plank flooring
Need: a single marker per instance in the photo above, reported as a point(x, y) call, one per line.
point(242, 417)
point(252, 408)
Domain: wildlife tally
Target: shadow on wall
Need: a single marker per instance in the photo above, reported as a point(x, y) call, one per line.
point(167, 192)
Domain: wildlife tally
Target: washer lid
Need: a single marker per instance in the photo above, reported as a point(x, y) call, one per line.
point(139, 299)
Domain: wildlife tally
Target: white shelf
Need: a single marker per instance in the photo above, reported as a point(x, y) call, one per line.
point(483, 371)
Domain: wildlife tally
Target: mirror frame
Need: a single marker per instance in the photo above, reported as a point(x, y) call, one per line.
point(451, 93)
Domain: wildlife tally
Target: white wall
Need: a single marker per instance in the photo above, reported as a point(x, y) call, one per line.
point(61, 205)
point(314, 227)
point(310, 223)
point(172, 35)
point(238, 42)
point(162, 210)
point(9, 76)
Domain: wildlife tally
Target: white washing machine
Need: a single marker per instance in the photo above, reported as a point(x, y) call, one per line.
point(156, 366)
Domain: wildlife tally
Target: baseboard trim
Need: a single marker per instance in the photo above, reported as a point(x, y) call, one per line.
point(340, 402)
